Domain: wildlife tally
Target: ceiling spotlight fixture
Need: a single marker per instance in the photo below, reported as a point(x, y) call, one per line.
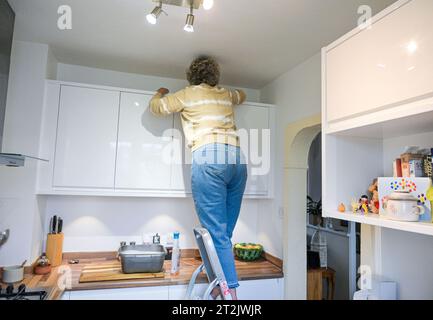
point(154, 15)
point(192, 5)
point(208, 4)
point(189, 25)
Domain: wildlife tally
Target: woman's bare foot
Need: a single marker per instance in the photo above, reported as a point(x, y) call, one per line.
point(216, 293)
point(234, 294)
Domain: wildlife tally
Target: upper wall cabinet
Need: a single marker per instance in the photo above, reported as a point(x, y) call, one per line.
point(252, 121)
point(182, 156)
point(142, 145)
point(85, 152)
point(386, 65)
point(104, 141)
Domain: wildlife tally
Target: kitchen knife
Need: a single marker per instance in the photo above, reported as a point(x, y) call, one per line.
point(54, 225)
point(60, 225)
point(50, 227)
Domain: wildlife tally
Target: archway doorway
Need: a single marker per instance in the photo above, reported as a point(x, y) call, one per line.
point(298, 139)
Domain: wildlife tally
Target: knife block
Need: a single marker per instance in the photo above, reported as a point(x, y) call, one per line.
point(54, 249)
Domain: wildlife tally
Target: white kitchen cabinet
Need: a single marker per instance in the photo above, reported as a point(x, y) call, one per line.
point(179, 292)
point(103, 141)
point(383, 66)
point(142, 154)
point(267, 289)
point(86, 138)
point(66, 296)
point(145, 293)
point(252, 121)
point(181, 170)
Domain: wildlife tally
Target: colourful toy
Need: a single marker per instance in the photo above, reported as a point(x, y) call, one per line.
point(354, 205)
point(374, 192)
point(363, 204)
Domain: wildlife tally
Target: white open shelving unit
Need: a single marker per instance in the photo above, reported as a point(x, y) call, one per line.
point(367, 134)
point(425, 228)
point(377, 98)
point(375, 102)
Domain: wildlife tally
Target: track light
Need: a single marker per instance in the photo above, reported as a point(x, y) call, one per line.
point(208, 4)
point(189, 25)
point(154, 15)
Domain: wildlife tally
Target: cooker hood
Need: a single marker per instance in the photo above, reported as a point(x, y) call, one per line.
point(15, 160)
point(7, 21)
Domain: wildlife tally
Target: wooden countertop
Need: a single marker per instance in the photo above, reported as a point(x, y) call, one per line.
point(261, 269)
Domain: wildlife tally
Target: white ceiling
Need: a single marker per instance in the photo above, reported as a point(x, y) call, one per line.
point(255, 40)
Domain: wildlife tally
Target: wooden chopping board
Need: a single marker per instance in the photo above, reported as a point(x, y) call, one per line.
point(112, 272)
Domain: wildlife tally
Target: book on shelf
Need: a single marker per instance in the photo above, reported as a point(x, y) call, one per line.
point(397, 169)
point(414, 164)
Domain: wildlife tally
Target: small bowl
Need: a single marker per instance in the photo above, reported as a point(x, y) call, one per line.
point(248, 251)
point(42, 270)
point(13, 274)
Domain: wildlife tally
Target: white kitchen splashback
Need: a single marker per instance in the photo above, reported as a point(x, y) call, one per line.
point(101, 223)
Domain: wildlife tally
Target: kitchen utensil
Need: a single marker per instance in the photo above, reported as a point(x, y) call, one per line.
point(50, 227)
point(60, 225)
point(402, 206)
point(54, 230)
point(42, 270)
point(146, 258)
point(13, 274)
point(74, 261)
point(112, 272)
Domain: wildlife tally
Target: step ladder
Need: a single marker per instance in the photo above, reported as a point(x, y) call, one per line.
point(211, 265)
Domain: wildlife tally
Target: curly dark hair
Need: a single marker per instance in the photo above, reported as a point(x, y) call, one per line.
point(204, 69)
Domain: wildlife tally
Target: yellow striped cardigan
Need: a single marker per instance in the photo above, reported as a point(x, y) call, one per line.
point(206, 113)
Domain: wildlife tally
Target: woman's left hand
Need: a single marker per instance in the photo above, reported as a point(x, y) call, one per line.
point(163, 91)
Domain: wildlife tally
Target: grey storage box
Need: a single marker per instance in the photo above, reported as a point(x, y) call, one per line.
point(146, 258)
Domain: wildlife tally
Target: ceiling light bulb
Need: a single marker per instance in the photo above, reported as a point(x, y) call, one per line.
point(208, 4)
point(154, 15)
point(151, 18)
point(189, 25)
point(412, 47)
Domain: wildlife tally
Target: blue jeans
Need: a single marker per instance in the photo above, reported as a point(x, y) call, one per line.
point(219, 176)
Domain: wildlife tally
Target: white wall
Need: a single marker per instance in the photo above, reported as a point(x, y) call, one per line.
point(74, 73)
point(297, 95)
point(101, 223)
point(20, 210)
